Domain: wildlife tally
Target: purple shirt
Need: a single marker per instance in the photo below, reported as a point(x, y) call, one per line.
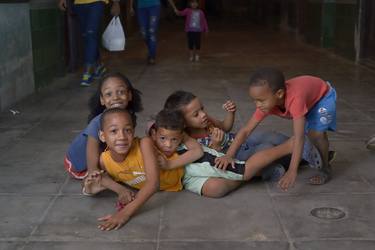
point(195, 20)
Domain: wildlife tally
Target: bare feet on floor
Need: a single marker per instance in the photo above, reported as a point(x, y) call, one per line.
point(322, 177)
point(92, 183)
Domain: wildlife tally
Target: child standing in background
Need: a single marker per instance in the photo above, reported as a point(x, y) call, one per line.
point(195, 24)
point(114, 90)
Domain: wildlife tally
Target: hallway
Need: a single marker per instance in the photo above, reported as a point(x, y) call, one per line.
point(42, 208)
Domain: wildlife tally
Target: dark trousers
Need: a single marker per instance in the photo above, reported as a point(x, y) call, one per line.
point(90, 16)
point(194, 40)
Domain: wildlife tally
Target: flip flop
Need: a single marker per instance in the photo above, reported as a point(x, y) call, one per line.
point(322, 177)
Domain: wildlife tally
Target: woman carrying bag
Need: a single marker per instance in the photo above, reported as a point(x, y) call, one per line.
point(90, 13)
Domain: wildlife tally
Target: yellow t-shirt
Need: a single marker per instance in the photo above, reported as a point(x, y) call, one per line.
point(131, 170)
point(88, 1)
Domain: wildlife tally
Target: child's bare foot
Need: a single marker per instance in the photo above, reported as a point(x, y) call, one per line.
point(126, 196)
point(322, 177)
point(92, 183)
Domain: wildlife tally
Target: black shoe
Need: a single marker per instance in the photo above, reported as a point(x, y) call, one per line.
point(151, 61)
point(331, 156)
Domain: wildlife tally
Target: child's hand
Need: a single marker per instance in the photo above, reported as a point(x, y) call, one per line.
point(115, 9)
point(126, 196)
point(287, 180)
point(217, 136)
point(131, 11)
point(229, 106)
point(162, 162)
point(110, 222)
point(62, 5)
point(95, 175)
point(223, 162)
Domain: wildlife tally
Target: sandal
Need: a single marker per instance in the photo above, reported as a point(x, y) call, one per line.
point(322, 177)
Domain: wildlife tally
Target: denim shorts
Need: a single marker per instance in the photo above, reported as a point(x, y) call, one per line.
point(322, 116)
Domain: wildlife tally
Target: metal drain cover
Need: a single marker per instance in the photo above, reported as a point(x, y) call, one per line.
point(328, 213)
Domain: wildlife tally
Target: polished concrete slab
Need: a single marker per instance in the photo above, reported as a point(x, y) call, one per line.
point(42, 208)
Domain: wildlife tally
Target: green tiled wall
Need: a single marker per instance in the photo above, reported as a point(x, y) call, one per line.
point(346, 18)
point(328, 24)
point(313, 29)
point(47, 46)
point(16, 75)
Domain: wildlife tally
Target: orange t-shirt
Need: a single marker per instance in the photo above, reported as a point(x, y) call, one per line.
point(302, 93)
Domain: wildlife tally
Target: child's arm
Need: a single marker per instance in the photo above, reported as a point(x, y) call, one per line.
point(290, 176)
point(92, 154)
point(62, 5)
point(193, 153)
point(151, 186)
point(204, 22)
point(243, 133)
point(171, 2)
point(125, 194)
point(131, 11)
point(228, 121)
point(115, 8)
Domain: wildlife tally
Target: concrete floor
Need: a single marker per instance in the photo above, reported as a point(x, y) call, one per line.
point(42, 208)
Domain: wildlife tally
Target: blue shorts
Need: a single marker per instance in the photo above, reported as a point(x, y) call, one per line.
point(322, 116)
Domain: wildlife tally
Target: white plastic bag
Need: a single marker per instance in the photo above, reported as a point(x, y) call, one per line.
point(114, 37)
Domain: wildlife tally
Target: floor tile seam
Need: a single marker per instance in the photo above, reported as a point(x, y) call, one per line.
point(44, 215)
point(279, 219)
point(19, 138)
point(366, 181)
point(361, 139)
point(46, 211)
point(187, 240)
point(254, 194)
point(220, 240)
point(48, 239)
point(41, 195)
point(79, 194)
point(322, 194)
point(160, 227)
point(309, 239)
point(357, 109)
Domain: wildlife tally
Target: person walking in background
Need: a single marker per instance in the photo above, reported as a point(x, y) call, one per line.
point(90, 13)
point(148, 14)
point(195, 24)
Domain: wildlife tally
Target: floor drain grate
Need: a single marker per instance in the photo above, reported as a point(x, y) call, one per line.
point(328, 213)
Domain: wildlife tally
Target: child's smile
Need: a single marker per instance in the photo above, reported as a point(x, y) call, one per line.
point(115, 94)
point(118, 134)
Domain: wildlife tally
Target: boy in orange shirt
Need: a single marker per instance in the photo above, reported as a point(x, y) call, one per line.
point(308, 100)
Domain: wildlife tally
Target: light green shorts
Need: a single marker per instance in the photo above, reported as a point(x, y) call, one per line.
point(196, 174)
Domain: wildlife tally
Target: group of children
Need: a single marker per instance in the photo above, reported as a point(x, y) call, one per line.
point(184, 147)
